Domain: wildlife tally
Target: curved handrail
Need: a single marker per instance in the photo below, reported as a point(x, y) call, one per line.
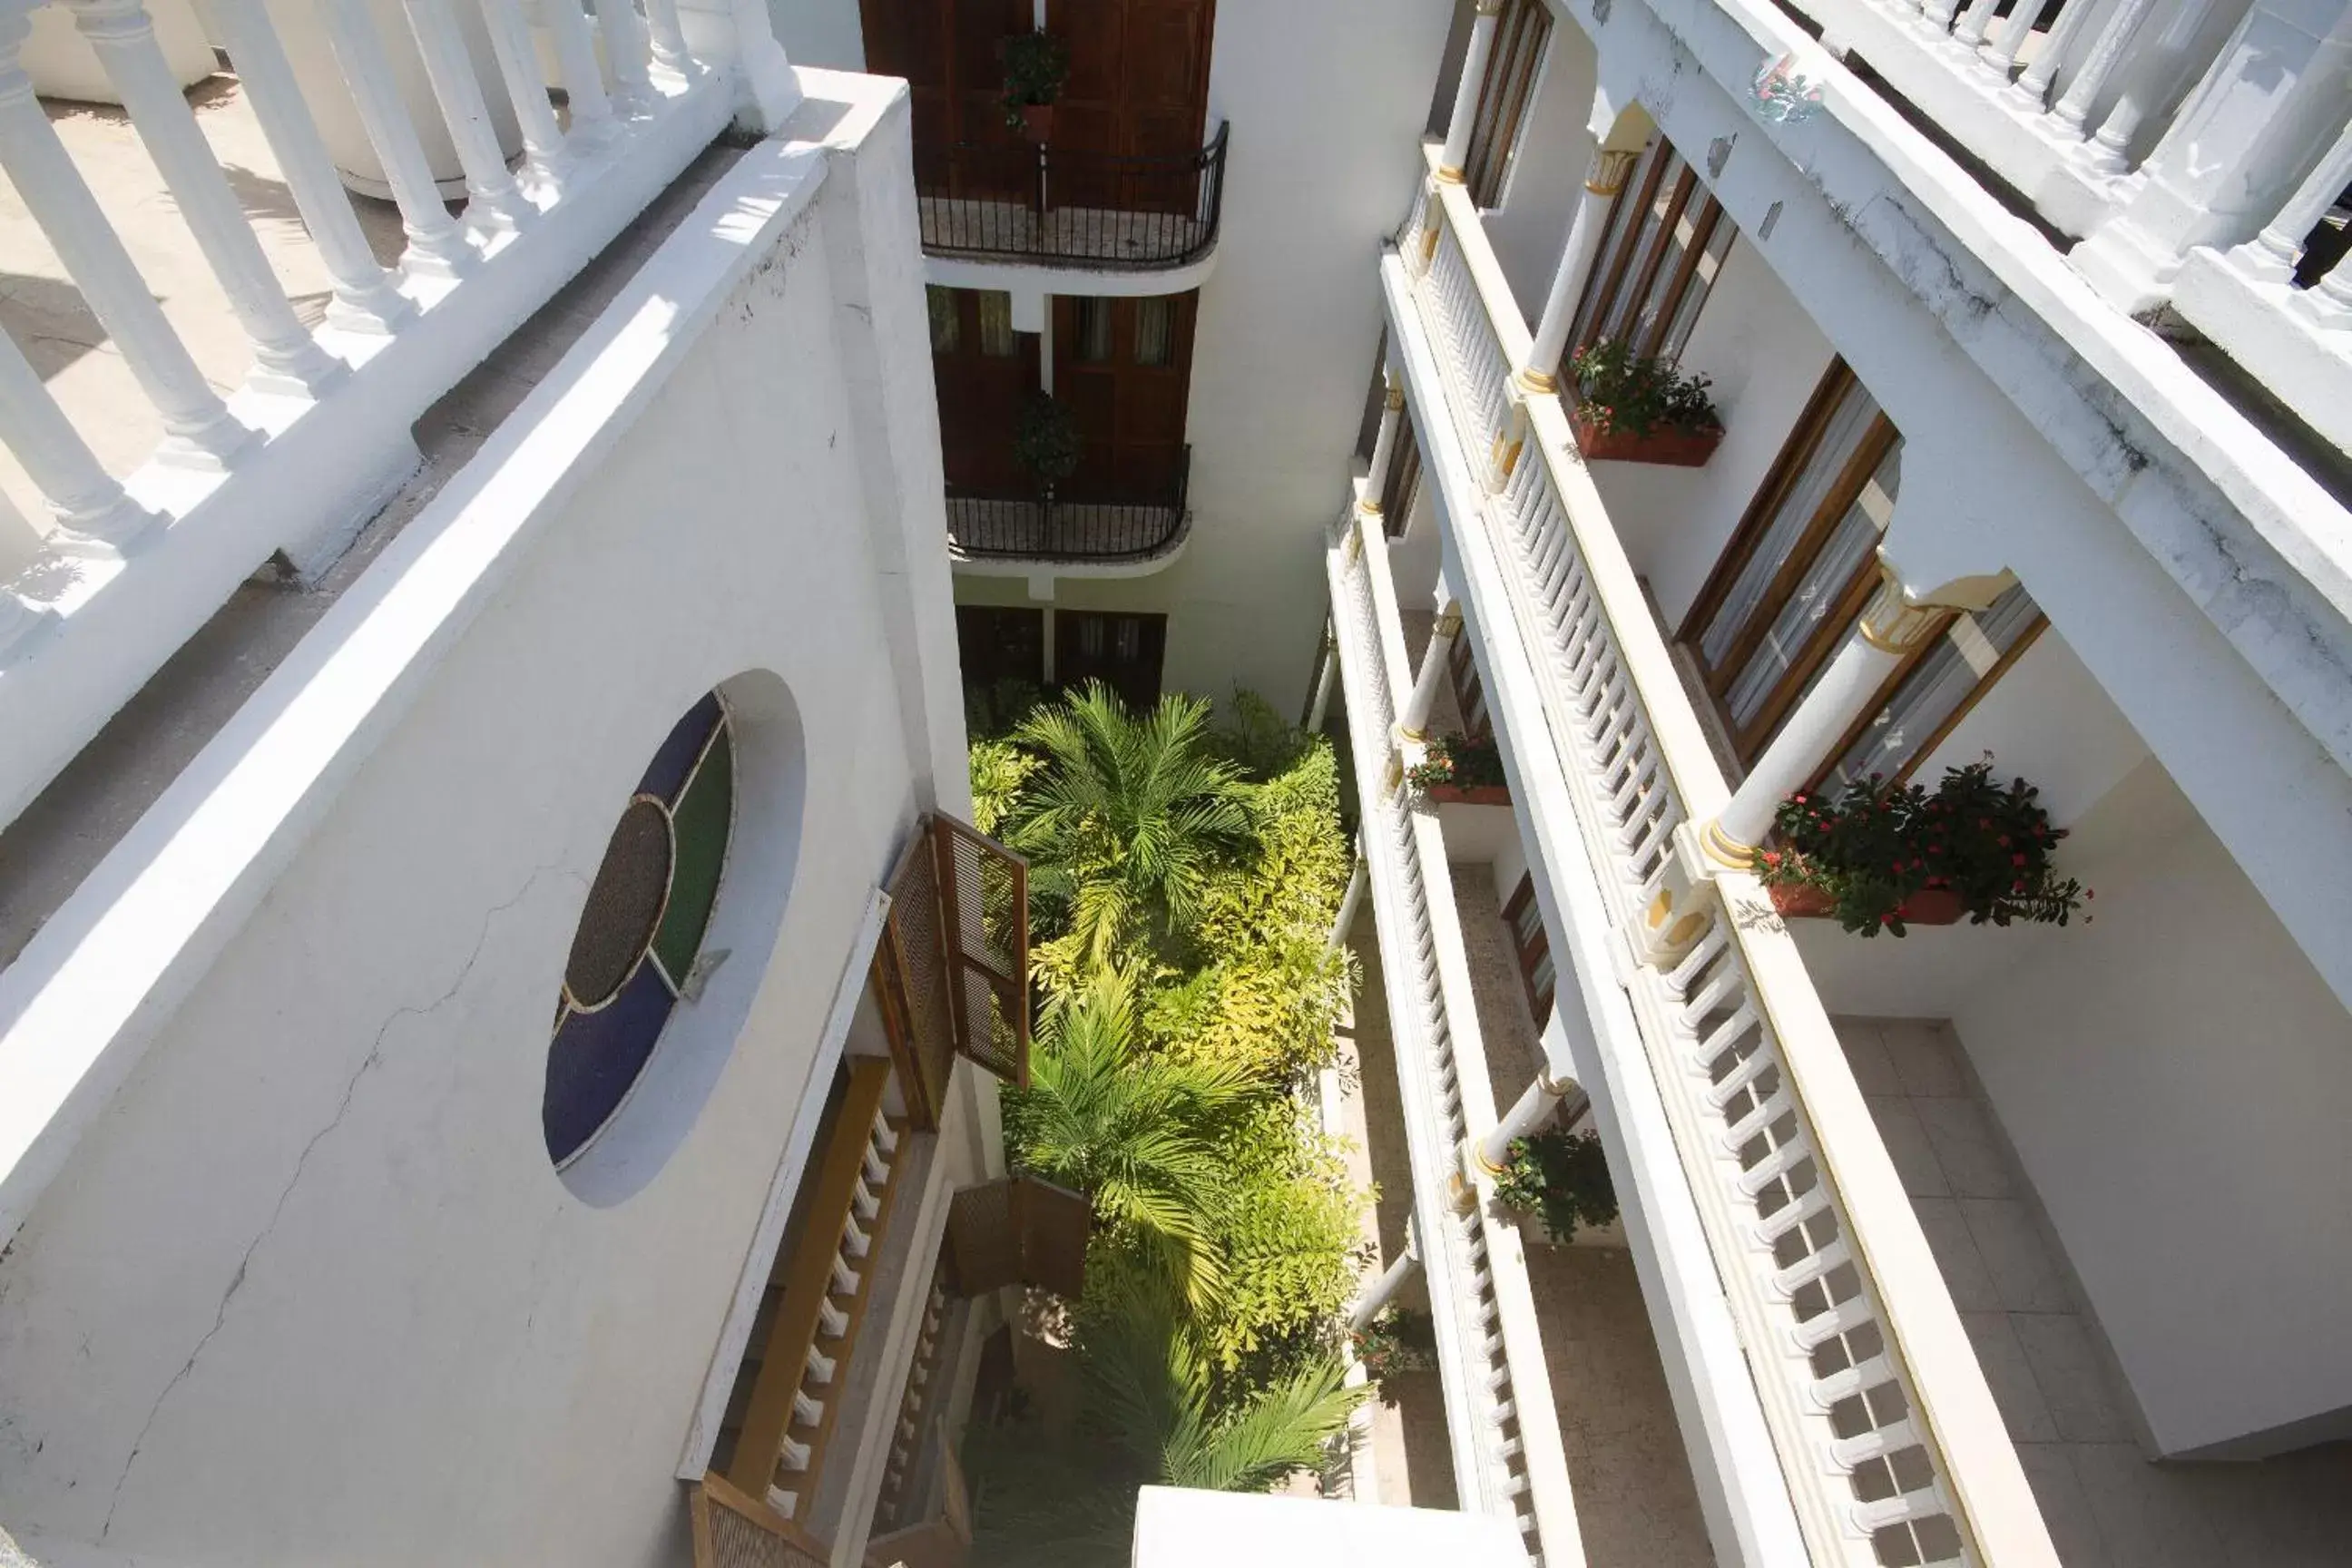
point(1103, 211)
point(1019, 525)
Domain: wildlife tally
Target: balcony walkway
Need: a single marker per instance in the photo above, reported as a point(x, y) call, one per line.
point(2106, 1505)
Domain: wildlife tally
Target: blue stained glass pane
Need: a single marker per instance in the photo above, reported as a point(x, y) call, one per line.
point(595, 1057)
point(667, 776)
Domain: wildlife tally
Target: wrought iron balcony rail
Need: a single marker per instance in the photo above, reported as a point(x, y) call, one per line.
point(1019, 525)
point(1054, 204)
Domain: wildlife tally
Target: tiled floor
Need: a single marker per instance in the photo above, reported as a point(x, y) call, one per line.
point(2106, 1505)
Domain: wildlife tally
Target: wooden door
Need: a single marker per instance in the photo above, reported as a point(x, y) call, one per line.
point(1125, 369)
point(1138, 87)
point(1120, 650)
point(946, 50)
point(983, 371)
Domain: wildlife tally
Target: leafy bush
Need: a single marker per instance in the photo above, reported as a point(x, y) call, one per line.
point(1879, 845)
point(1045, 440)
point(1618, 391)
point(1564, 1177)
point(1397, 1340)
point(1292, 1246)
point(993, 712)
point(999, 768)
point(1259, 742)
point(1037, 64)
point(1466, 762)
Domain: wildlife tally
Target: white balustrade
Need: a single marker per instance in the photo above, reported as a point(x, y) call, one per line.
point(1778, 1153)
point(394, 339)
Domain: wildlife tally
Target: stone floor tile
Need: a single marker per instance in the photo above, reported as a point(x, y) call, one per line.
point(2010, 1374)
point(1908, 1146)
point(2066, 1510)
point(2072, 1376)
point(1965, 1275)
point(1926, 1056)
point(1968, 1147)
point(2013, 1249)
point(1865, 1053)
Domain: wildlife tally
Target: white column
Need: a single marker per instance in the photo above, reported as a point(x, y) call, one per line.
point(449, 67)
point(199, 427)
point(1891, 628)
point(1376, 478)
point(1351, 901)
point(592, 124)
point(366, 300)
point(1320, 707)
point(1382, 1291)
point(1603, 181)
point(122, 36)
point(1526, 1117)
point(1413, 723)
point(84, 498)
point(436, 246)
point(737, 37)
point(1464, 118)
point(623, 32)
point(542, 138)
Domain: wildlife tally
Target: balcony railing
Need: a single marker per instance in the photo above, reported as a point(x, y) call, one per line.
point(1889, 1444)
point(1067, 209)
point(1008, 525)
point(119, 561)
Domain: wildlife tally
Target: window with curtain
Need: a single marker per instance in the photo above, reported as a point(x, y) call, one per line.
point(1155, 331)
point(1661, 249)
point(1801, 563)
point(1521, 31)
point(1924, 701)
point(1525, 918)
point(947, 321)
point(1093, 345)
point(1401, 486)
point(1469, 692)
point(996, 324)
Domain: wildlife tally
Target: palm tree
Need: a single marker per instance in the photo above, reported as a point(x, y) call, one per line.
point(1138, 1132)
point(1129, 815)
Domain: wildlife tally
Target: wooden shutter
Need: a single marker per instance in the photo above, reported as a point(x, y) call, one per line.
point(734, 1530)
point(951, 973)
point(1019, 1231)
point(984, 920)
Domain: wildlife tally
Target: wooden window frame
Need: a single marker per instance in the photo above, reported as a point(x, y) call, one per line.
point(1513, 66)
point(1462, 674)
point(1609, 287)
point(1797, 453)
point(1400, 486)
point(1539, 1001)
point(1941, 732)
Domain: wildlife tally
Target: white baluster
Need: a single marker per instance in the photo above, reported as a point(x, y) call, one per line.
point(591, 110)
point(854, 1243)
point(449, 67)
point(792, 1454)
point(2274, 254)
point(436, 246)
point(844, 1278)
point(817, 1365)
point(122, 36)
point(876, 1170)
point(806, 1410)
point(366, 297)
point(2002, 56)
point(542, 137)
point(624, 53)
point(83, 496)
point(669, 40)
point(862, 1201)
point(1971, 29)
point(831, 1321)
point(200, 430)
point(2033, 86)
point(738, 37)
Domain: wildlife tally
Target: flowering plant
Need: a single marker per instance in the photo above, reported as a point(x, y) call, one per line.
point(1618, 391)
point(1561, 1175)
point(1398, 1339)
point(1879, 845)
point(1465, 761)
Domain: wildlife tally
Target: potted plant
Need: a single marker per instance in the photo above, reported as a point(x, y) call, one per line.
point(1641, 410)
point(1563, 1176)
point(1398, 1339)
point(1045, 442)
point(1885, 857)
point(1036, 65)
point(1463, 769)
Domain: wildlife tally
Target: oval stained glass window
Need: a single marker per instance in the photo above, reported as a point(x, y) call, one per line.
point(640, 935)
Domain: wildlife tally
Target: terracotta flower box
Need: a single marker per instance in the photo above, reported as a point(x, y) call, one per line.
point(1469, 795)
point(1673, 448)
point(1927, 907)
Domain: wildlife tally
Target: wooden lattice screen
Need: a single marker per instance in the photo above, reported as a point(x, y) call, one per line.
point(953, 969)
point(1019, 1231)
point(732, 1530)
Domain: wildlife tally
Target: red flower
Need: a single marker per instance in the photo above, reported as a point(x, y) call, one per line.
point(2090, 892)
point(2004, 841)
point(2017, 859)
point(1771, 858)
point(1935, 849)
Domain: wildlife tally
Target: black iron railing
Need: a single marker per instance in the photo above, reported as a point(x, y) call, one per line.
point(1014, 525)
point(1089, 209)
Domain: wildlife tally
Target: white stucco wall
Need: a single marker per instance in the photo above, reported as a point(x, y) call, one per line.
point(826, 33)
point(307, 1288)
point(1320, 170)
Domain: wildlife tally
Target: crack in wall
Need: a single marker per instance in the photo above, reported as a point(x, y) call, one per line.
point(302, 1161)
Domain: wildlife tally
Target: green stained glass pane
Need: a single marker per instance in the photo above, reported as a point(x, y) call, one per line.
point(704, 814)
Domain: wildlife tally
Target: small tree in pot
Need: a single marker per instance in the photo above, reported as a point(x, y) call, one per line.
point(1045, 442)
point(1564, 1177)
point(1036, 65)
